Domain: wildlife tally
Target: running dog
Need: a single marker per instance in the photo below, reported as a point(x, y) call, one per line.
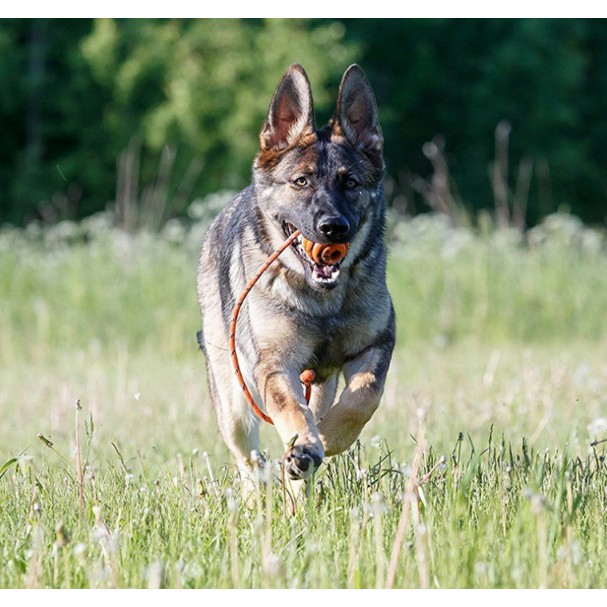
point(304, 313)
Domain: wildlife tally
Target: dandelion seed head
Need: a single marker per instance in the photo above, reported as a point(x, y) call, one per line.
point(101, 533)
point(273, 564)
point(480, 568)
point(406, 470)
point(379, 503)
point(597, 426)
point(154, 574)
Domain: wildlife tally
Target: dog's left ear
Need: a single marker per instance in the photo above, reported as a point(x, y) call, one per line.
point(356, 116)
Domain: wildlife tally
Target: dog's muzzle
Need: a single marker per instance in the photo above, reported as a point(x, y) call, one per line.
point(321, 261)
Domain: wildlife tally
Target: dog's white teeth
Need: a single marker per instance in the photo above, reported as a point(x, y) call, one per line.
point(325, 273)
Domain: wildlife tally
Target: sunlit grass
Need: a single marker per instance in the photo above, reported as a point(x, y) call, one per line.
point(488, 515)
point(495, 404)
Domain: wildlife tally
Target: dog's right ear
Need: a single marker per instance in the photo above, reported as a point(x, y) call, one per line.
point(291, 113)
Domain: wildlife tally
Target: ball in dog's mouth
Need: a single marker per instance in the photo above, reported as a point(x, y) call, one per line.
point(321, 262)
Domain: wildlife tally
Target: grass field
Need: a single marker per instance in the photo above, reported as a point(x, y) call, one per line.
point(483, 468)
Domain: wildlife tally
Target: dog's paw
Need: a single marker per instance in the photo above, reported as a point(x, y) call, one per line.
point(300, 462)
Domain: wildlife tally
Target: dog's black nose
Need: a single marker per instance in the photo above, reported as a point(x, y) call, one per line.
point(334, 228)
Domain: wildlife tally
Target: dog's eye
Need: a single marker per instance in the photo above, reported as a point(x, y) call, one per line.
point(300, 182)
point(350, 183)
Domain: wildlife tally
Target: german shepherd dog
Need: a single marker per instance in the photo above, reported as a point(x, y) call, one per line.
point(302, 314)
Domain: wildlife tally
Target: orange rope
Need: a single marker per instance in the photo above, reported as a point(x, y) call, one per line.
point(306, 378)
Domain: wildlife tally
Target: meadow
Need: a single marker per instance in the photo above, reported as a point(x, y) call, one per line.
point(483, 468)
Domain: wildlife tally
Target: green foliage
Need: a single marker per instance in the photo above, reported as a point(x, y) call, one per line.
point(200, 84)
point(201, 87)
point(77, 93)
point(459, 79)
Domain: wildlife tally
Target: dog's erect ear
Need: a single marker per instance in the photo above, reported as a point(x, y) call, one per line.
point(291, 111)
point(356, 117)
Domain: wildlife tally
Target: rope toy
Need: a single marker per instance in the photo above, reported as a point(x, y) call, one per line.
point(327, 254)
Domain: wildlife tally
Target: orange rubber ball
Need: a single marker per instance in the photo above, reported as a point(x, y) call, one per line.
point(325, 254)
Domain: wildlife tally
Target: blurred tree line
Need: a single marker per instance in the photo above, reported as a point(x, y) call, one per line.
point(117, 112)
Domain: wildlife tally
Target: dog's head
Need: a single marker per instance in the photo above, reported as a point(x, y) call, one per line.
point(325, 183)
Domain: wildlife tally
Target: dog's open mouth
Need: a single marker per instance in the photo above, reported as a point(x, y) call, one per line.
point(321, 262)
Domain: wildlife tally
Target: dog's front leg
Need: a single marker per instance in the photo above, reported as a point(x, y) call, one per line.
point(365, 376)
point(284, 399)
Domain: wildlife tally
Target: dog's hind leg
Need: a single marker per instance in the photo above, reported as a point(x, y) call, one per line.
point(238, 425)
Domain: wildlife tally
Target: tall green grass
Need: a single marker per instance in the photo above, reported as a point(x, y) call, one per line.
point(494, 405)
point(498, 285)
point(89, 285)
point(490, 515)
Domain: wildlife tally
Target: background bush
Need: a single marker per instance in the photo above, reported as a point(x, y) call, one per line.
point(89, 109)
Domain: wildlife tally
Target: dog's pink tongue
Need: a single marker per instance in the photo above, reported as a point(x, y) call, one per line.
point(324, 271)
